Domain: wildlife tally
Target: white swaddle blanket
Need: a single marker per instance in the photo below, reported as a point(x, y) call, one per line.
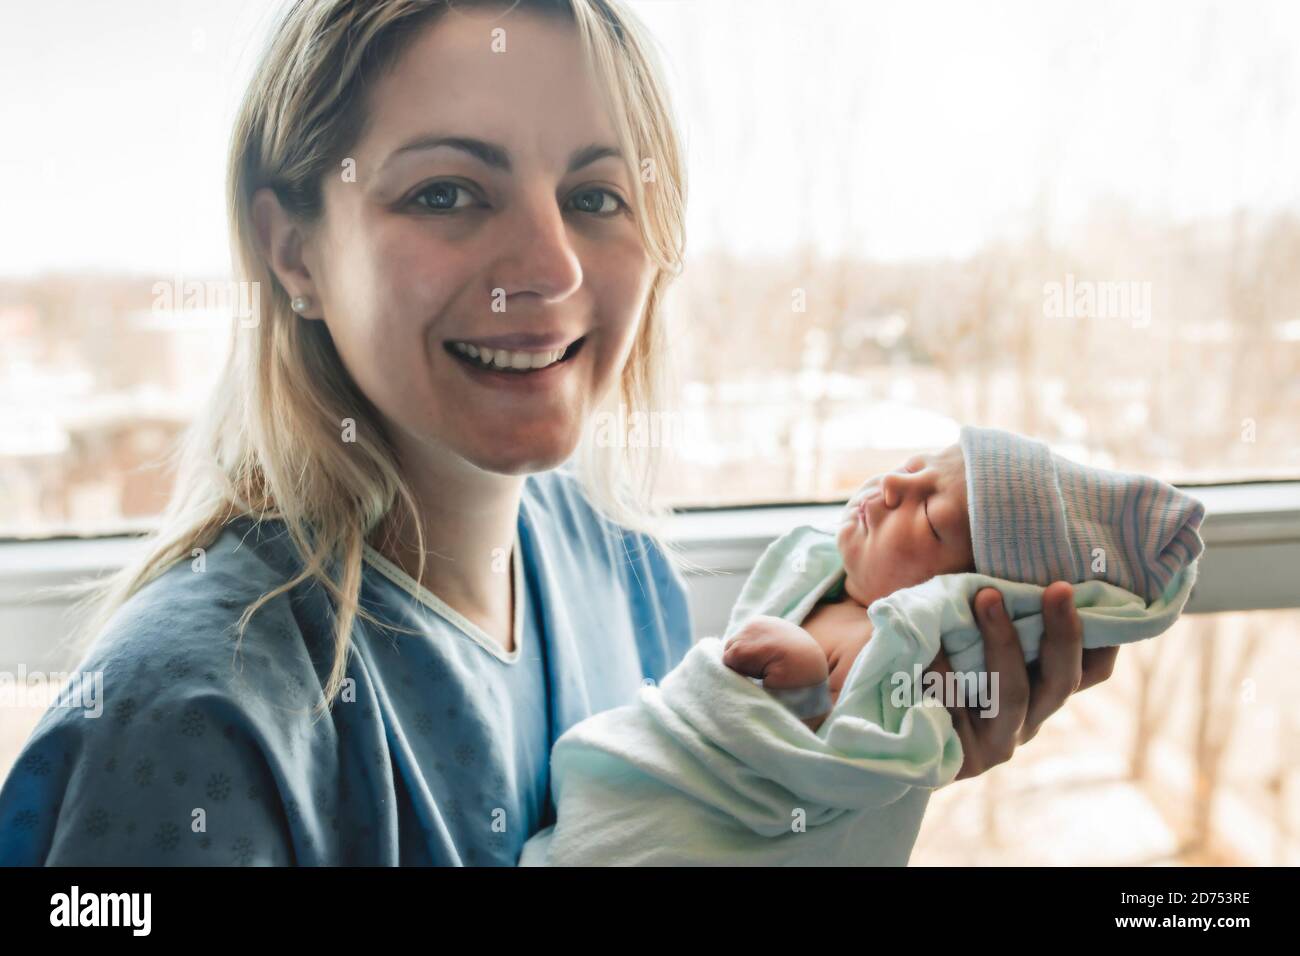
point(709, 768)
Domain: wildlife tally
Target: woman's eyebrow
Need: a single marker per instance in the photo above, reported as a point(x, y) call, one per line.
point(494, 155)
point(591, 153)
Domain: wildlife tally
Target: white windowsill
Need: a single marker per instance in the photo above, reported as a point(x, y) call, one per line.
point(1252, 559)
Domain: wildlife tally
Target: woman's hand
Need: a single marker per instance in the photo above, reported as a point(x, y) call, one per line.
point(1027, 696)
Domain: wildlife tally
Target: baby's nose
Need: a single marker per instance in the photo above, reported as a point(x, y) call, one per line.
point(891, 488)
point(886, 496)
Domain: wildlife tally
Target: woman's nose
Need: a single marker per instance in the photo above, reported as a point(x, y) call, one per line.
point(539, 258)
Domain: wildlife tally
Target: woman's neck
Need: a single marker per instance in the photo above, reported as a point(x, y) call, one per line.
point(469, 518)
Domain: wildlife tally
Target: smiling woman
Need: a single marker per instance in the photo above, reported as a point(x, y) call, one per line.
point(396, 277)
point(414, 187)
point(545, 99)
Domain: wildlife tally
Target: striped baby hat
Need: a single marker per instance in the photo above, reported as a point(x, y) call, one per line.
point(1036, 517)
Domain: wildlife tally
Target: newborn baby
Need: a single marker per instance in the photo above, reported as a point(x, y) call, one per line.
point(717, 765)
point(898, 530)
point(995, 503)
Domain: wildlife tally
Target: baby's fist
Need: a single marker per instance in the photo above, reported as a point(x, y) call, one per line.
point(778, 652)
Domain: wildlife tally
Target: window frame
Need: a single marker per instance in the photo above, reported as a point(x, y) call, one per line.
point(1251, 562)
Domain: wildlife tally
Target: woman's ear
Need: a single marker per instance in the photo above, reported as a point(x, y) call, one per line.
point(281, 240)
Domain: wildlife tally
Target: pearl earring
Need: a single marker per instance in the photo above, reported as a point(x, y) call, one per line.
point(300, 304)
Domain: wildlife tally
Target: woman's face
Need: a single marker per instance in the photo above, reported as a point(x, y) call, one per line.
point(514, 225)
point(903, 528)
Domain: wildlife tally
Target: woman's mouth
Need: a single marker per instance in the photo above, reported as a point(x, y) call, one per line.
point(501, 366)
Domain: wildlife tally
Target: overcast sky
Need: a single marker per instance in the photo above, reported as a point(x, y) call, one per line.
point(894, 129)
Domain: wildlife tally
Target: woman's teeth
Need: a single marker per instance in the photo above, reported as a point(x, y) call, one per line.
point(509, 359)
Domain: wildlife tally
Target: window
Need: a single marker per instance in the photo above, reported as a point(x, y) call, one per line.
point(1076, 221)
point(1073, 220)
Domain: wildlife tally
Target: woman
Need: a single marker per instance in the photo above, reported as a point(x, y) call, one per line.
point(418, 190)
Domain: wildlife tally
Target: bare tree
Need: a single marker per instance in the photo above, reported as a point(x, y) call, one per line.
point(1216, 719)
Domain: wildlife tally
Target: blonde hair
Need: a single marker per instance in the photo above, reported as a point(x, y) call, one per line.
point(267, 445)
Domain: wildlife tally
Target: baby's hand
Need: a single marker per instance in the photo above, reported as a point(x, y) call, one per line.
point(780, 653)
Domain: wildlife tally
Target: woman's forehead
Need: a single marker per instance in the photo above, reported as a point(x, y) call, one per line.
point(537, 94)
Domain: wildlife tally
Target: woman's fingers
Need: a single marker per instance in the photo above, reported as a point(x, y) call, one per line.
point(1061, 668)
point(1060, 658)
point(1002, 656)
point(1098, 663)
point(1022, 705)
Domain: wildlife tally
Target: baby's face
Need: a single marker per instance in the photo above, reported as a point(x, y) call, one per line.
point(903, 528)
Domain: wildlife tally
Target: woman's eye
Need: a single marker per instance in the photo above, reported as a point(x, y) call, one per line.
point(594, 201)
point(442, 196)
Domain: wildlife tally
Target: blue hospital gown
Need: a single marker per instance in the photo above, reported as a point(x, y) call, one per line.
point(442, 757)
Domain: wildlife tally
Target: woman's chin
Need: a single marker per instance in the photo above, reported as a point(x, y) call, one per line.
point(523, 458)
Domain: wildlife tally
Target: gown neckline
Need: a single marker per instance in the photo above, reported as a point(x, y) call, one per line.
point(450, 614)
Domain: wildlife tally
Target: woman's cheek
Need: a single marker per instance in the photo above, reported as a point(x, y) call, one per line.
point(620, 276)
point(384, 350)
